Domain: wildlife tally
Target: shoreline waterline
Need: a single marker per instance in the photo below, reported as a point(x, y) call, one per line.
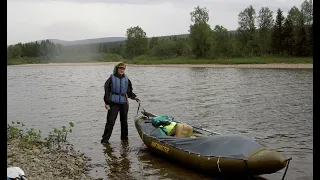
point(268, 65)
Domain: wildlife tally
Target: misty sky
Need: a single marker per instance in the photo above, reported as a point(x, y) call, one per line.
point(30, 20)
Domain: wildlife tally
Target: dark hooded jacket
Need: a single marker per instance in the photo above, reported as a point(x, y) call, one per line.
point(107, 88)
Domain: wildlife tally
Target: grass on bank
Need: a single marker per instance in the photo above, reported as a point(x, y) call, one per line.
point(28, 60)
point(87, 57)
point(66, 58)
point(253, 60)
point(147, 60)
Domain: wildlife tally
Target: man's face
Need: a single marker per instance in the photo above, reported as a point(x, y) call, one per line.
point(121, 70)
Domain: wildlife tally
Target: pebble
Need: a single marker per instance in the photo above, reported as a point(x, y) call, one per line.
point(36, 151)
point(38, 162)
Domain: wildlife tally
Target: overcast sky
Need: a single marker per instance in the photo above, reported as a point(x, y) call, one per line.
point(30, 20)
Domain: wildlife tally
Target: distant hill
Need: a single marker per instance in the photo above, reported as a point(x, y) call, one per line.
point(105, 40)
point(112, 39)
point(109, 39)
point(87, 41)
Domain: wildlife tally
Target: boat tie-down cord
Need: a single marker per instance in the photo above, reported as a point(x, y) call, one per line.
point(218, 164)
point(288, 161)
point(248, 171)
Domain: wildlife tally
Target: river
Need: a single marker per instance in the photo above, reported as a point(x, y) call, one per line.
point(274, 106)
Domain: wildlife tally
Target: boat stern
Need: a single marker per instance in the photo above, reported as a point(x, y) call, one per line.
point(266, 162)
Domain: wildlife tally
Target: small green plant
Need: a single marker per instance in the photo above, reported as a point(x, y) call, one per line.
point(32, 135)
point(58, 136)
point(15, 130)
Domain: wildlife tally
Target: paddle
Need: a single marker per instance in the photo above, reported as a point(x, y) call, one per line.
point(145, 113)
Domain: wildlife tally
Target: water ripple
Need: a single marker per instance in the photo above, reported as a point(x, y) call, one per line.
point(271, 105)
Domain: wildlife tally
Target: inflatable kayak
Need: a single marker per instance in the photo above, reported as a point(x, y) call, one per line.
point(207, 151)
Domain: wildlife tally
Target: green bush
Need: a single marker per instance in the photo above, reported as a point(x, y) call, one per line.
point(56, 138)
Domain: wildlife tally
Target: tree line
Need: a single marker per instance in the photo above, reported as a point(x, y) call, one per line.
point(34, 49)
point(258, 34)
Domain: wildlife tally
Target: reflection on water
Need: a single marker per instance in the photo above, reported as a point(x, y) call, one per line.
point(118, 165)
point(274, 106)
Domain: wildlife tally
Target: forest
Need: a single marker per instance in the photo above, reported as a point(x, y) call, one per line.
point(258, 35)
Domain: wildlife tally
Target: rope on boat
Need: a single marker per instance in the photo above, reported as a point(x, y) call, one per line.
point(288, 161)
point(218, 164)
point(245, 161)
point(138, 110)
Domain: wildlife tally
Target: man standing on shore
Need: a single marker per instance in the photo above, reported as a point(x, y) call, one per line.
point(118, 89)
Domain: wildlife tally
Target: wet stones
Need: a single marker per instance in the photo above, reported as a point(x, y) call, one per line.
point(38, 162)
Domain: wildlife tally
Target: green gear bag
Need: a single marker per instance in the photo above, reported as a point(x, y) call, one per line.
point(160, 120)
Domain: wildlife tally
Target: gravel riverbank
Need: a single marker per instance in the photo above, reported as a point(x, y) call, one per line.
point(40, 163)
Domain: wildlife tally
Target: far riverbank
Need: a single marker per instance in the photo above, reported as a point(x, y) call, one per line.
point(271, 65)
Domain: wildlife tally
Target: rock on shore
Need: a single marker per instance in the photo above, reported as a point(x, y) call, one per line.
point(40, 163)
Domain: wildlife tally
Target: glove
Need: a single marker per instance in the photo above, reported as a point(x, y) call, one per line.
point(137, 99)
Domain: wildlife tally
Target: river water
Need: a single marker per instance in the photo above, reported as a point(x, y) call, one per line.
point(274, 106)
